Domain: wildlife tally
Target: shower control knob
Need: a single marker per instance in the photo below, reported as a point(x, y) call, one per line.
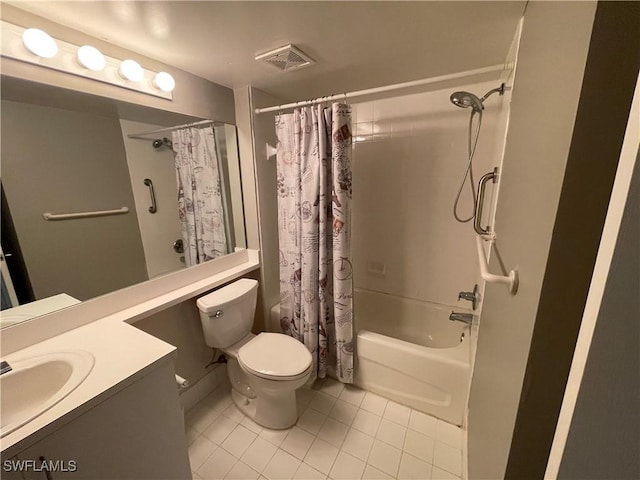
point(470, 296)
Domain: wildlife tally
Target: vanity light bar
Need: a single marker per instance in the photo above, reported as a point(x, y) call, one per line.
point(39, 48)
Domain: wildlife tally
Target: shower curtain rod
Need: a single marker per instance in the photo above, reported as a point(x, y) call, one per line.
point(169, 129)
point(386, 88)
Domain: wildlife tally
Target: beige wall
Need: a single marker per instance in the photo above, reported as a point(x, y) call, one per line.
point(160, 229)
point(235, 185)
point(192, 95)
point(63, 161)
point(264, 132)
point(181, 326)
point(551, 62)
point(259, 188)
point(244, 127)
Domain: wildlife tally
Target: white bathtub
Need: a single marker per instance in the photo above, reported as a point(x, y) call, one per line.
point(410, 352)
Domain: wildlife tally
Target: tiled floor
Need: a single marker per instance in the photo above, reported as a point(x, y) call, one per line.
point(342, 433)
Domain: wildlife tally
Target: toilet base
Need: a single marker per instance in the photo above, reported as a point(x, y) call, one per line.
point(278, 412)
point(269, 407)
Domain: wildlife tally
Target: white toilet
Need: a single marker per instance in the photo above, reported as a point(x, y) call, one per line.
point(265, 369)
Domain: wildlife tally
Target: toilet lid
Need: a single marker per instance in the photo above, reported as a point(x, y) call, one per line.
point(275, 355)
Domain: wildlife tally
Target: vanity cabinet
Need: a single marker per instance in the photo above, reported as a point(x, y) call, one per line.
point(137, 433)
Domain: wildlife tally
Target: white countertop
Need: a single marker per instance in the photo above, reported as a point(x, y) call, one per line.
point(122, 353)
point(27, 311)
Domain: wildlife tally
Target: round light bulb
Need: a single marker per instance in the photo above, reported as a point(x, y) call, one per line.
point(91, 58)
point(39, 43)
point(164, 81)
point(131, 70)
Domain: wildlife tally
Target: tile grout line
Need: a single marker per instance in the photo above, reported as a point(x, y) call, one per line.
point(435, 437)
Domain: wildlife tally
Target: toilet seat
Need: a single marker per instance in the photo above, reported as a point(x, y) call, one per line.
point(275, 356)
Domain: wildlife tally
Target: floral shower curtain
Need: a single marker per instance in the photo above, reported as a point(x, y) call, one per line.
point(199, 195)
point(314, 229)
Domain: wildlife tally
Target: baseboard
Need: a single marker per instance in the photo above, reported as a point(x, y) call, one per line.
point(189, 397)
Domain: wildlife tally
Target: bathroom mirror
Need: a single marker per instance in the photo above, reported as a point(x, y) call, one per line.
point(66, 152)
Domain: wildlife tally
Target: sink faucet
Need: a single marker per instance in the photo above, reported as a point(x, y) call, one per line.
point(4, 367)
point(466, 318)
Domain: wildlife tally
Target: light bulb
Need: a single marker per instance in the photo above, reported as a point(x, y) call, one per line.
point(164, 81)
point(91, 58)
point(131, 70)
point(39, 43)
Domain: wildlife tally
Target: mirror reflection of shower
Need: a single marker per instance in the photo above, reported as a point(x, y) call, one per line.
point(465, 100)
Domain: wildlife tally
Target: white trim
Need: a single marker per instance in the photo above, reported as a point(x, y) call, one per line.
point(598, 282)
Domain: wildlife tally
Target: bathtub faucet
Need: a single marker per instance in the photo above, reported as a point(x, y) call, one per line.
point(462, 317)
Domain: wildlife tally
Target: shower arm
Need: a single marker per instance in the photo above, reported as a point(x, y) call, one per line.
point(499, 90)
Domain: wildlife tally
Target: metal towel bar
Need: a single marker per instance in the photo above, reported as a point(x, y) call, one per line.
point(100, 213)
point(511, 280)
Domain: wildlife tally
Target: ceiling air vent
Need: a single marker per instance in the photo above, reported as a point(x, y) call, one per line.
point(286, 58)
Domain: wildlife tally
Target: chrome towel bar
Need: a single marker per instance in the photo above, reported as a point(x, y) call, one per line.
point(100, 213)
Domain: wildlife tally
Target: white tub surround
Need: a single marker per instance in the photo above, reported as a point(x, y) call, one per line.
point(135, 302)
point(409, 351)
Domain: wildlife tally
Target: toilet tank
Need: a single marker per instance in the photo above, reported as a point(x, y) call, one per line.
point(227, 313)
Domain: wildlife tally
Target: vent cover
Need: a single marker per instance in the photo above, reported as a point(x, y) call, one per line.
point(286, 58)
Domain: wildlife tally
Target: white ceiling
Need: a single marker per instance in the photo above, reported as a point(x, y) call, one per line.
point(356, 44)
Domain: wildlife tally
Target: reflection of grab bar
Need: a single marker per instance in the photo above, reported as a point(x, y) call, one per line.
point(101, 213)
point(511, 280)
point(480, 201)
point(149, 183)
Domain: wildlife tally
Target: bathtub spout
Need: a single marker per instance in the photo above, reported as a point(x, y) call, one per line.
point(466, 318)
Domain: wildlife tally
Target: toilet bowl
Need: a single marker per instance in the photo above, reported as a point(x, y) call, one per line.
point(265, 369)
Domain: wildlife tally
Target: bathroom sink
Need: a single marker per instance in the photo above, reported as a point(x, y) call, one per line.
point(35, 384)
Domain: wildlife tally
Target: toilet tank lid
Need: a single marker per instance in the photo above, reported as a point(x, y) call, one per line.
point(230, 294)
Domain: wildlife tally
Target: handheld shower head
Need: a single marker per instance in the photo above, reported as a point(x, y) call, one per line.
point(466, 99)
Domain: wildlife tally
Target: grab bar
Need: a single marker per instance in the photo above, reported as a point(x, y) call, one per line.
point(480, 202)
point(153, 208)
point(511, 280)
point(100, 213)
